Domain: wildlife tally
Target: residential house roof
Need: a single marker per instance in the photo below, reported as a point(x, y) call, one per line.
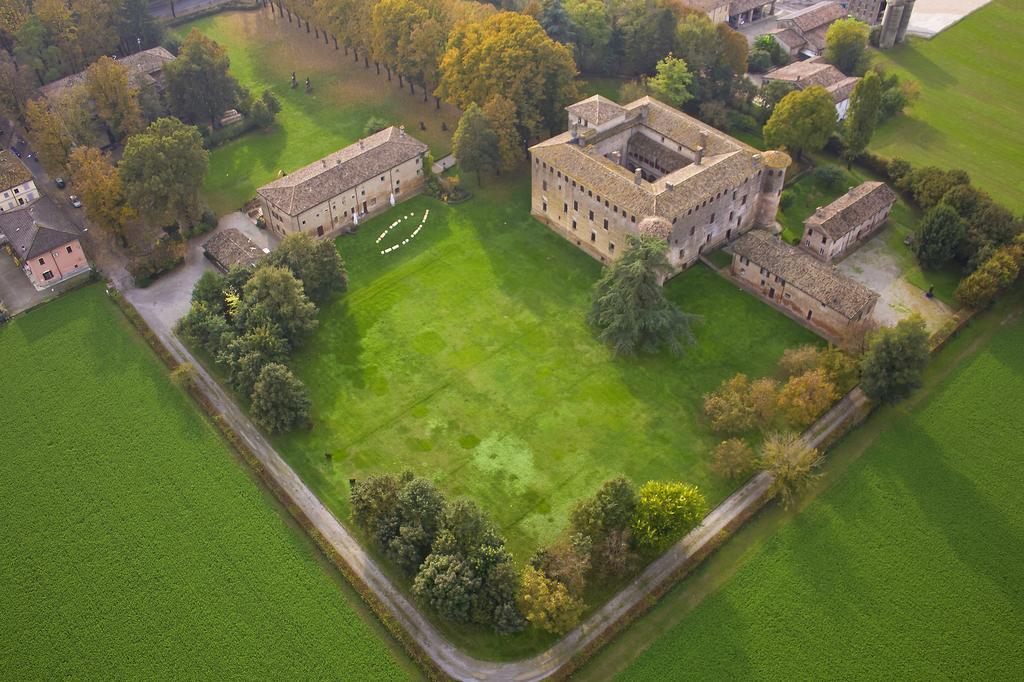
point(741, 6)
point(801, 270)
point(596, 110)
point(37, 229)
point(342, 170)
point(788, 38)
point(850, 210)
point(816, 16)
point(704, 5)
point(230, 247)
point(12, 171)
point(144, 68)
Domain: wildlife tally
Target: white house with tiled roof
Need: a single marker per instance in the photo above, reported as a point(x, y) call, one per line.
point(17, 187)
point(333, 194)
point(816, 71)
point(620, 164)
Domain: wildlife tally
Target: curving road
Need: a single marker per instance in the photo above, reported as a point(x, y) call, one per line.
point(458, 665)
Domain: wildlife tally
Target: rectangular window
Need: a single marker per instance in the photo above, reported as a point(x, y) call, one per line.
point(611, 247)
point(47, 275)
point(574, 224)
point(42, 261)
point(692, 230)
point(544, 185)
point(69, 249)
point(606, 223)
point(565, 207)
point(744, 199)
point(545, 206)
point(575, 205)
point(593, 236)
point(712, 218)
point(591, 215)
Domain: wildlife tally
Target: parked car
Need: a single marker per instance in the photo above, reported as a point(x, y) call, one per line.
point(75, 201)
point(59, 182)
point(14, 150)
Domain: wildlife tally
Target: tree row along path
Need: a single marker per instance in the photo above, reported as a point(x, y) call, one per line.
point(446, 657)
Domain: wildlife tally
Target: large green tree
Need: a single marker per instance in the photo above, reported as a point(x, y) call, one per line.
point(475, 144)
point(509, 54)
point(162, 170)
point(199, 87)
point(273, 293)
point(280, 401)
point(802, 121)
point(846, 43)
point(630, 311)
point(891, 368)
point(671, 82)
point(940, 232)
point(316, 263)
point(666, 510)
point(592, 33)
point(116, 101)
point(862, 116)
point(98, 183)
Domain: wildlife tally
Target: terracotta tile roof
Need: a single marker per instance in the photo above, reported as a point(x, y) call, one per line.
point(342, 170)
point(843, 89)
point(704, 5)
point(34, 230)
point(789, 38)
point(801, 270)
point(596, 110)
point(853, 208)
point(816, 16)
point(816, 72)
point(230, 247)
point(727, 162)
point(741, 6)
point(816, 38)
point(12, 171)
point(141, 67)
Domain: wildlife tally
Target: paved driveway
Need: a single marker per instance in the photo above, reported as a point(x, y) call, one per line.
point(169, 297)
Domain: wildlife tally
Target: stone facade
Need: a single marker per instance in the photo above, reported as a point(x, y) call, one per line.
point(894, 25)
point(617, 165)
point(871, 12)
point(839, 228)
point(799, 285)
point(333, 194)
point(803, 32)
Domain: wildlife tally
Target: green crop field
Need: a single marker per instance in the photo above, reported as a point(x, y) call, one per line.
point(972, 93)
point(134, 545)
point(465, 356)
point(264, 51)
point(911, 566)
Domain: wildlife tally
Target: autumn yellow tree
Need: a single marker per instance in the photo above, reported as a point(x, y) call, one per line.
point(501, 114)
point(734, 459)
point(792, 464)
point(806, 396)
point(392, 25)
point(99, 185)
point(728, 407)
point(547, 603)
point(49, 136)
point(117, 102)
point(511, 55)
point(96, 22)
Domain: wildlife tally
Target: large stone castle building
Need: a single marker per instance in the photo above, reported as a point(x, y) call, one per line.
point(646, 167)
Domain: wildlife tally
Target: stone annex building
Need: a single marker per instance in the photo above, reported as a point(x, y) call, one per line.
point(331, 195)
point(799, 284)
point(646, 167)
point(837, 229)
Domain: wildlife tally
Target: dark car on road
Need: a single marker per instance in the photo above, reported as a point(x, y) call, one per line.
point(14, 150)
point(75, 201)
point(59, 182)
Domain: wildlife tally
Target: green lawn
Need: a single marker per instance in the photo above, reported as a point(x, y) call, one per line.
point(264, 52)
point(809, 193)
point(465, 356)
point(972, 95)
point(606, 86)
point(135, 546)
point(910, 566)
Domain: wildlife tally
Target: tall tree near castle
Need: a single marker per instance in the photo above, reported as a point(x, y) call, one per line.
point(199, 86)
point(671, 83)
point(862, 116)
point(556, 22)
point(117, 102)
point(592, 32)
point(393, 23)
point(474, 143)
point(49, 136)
point(162, 169)
point(99, 184)
point(802, 121)
point(501, 117)
point(509, 54)
point(96, 21)
point(846, 44)
point(629, 311)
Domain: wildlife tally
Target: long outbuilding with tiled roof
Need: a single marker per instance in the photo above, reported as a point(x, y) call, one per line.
point(799, 284)
point(835, 230)
point(333, 194)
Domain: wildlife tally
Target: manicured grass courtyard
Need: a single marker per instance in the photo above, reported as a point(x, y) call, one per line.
point(972, 93)
point(134, 545)
point(264, 51)
point(911, 566)
point(466, 357)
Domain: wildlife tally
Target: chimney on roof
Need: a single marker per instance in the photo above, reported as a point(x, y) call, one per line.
point(670, 185)
point(638, 175)
point(756, 160)
point(703, 138)
point(401, 130)
point(361, 145)
point(324, 162)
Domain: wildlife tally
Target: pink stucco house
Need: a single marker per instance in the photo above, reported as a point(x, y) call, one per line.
point(43, 243)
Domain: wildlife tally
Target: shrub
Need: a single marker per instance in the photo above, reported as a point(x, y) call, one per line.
point(897, 169)
point(830, 177)
point(940, 232)
point(805, 397)
point(374, 124)
point(763, 400)
point(728, 407)
point(184, 375)
point(796, 361)
point(759, 61)
point(165, 256)
point(791, 462)
point(891, 368)
point(734, 459)
point(995, 274)
point(566, 561)
point(665, 512)
point(786, 199)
